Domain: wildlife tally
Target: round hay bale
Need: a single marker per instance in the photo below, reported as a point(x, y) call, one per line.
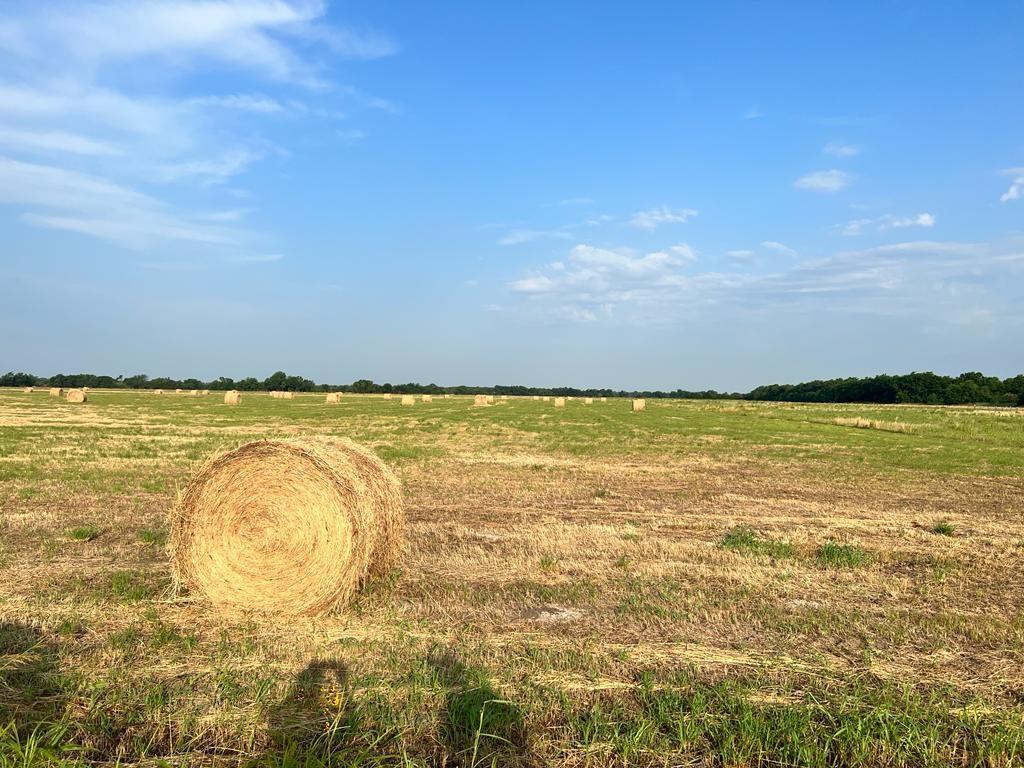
point(480, 400)
point(232, 398)
point(447, 396)
point(387, 396)
point(287, 395)
point(204, 392)
point(177, 391)
point(427, 398)
point(287, 526)
point(588, 401)
point(333, 397)
point(639, 405)
point(56, 392)
point(158, 391)
point(408, 400)
point(559, 402)
point(77, 396)
point(27, 390)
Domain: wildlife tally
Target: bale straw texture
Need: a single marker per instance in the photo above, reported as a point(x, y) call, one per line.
point(559, 402)
point(333, 397)
point(77, 396)
point(232, 398)
point(639, 405)
point(480, 400)
point(427, 398)
point(27, 390)
point(290, 527)
point(408, 400)
point(588, 401)
point(56, 392)
point(158, 391)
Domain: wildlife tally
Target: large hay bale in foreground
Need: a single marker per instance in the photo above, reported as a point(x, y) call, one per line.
point(287, 526)
point(232, 398)
point(559, 402)
point(77, 396)
point(408, 400)
point(56, 392)
point(480, 400)
point(639, 405)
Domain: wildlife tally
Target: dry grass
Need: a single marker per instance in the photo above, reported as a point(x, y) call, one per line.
point(581, 560)
point(884, 426)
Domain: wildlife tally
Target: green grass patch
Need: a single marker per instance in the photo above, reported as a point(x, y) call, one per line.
point(833, 554)
point(747, 541)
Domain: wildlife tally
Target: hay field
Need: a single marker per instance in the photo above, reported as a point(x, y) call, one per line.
point(723, 583)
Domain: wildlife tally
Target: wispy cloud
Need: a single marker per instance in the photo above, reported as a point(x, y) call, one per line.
point(824, 181)
point(520, 236)
point(654, 217)
point(885, 222)
point(780, 248)
point(84, 136)
point(573, 201)
point(753, 114)
point(740, 254)
point(256, 258)
point(1016, 190)
point(838, 149)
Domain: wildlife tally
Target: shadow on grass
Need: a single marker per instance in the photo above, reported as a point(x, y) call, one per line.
point(478, 726)
point(31, 687)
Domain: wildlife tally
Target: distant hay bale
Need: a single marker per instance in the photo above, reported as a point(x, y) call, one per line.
point(408, 400)
point(232, 398)
point(480, 400)
point(447, 396)
point(194, 393)
point(546, 398)
point(427, 398)
point(559, 402)
point(535, 397)
point(27, 390)
point(884, 426)
point(177, 391)
point(287, 395)
point(588, 401)
point(504, 397)
point(387, 395)
point(490, 399)
point(604, 399)
point(158, 391)
point(204, 392)
point(333, 397)
point(288, 527)
point(77, 396)
point(56, 392)
point(639, 405)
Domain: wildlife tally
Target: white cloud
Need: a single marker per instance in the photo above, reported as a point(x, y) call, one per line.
point(661, 215)
point(243, 102)
point(739, 254)
point(753, 114)
point(887, 221)
point(824, 181)
point(932, 281)
point(520, 236)
point(781, 248)
point(535, 284)
point(208, 171)
point(838, 149)
point(1016, 190)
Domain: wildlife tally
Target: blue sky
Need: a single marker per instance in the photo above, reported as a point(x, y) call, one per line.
point(634, 195)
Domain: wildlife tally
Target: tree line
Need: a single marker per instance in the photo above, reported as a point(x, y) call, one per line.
point(920, 388)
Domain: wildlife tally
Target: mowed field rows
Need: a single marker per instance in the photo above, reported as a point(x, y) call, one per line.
point(704, 582)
